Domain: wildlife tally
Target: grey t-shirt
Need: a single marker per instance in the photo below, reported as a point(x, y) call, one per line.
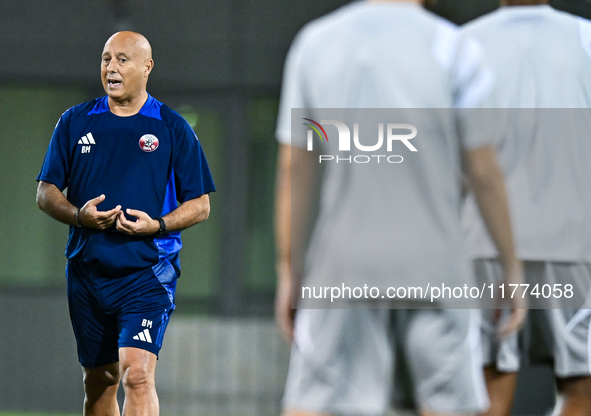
point(386, 224)
point(542, 59)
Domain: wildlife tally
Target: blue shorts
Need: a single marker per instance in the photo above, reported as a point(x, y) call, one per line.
point(110, 313)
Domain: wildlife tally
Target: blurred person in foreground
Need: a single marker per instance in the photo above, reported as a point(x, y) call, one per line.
point(126, 159)
point(385, 55)
point(542, 58)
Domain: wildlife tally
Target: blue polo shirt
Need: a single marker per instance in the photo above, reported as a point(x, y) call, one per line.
point(147, 162)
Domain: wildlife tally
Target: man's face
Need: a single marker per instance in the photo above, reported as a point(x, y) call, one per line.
point(125, 67)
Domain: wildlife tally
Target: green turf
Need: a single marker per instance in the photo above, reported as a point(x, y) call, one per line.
point(2, 413)
point(37, 414)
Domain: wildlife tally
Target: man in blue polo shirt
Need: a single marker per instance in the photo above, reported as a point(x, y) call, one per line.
point(136, 176)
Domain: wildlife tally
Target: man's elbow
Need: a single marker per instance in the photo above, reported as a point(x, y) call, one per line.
point(485, 178)
point(484, 171)
point(205, 212)
point(40, 197)
point(202, 209)
point(38, 200)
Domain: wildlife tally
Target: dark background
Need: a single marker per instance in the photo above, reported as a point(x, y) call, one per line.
point(219, 63)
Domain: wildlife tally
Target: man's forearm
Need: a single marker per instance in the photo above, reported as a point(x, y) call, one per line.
point(283, 206)
point(189, 213)
point(52, 201)
point(488, 185)
point(295, 183)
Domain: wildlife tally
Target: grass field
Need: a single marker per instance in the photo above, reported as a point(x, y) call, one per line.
point(36, 414)
point(3, 413)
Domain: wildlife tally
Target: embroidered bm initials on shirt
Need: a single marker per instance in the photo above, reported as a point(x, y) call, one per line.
point(88, 140)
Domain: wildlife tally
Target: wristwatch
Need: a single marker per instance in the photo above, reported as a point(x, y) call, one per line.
point(162, 229)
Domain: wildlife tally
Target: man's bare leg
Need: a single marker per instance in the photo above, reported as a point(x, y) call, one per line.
point(100, 390)
point(576, 395)
point(138, 368)
point(501, 391)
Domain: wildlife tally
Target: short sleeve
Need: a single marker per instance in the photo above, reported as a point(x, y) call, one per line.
point(474, 83)
point(292, 91)
point(192, 175)
point(585, 34)
point(473, 78)
point(56, 166)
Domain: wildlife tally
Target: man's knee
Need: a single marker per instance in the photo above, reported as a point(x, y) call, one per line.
point(137, 377)
point(137, 368)
point(101, 378)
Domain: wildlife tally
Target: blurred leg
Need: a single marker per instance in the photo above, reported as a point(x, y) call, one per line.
point(501, 391)
point(100, 390)
point(576, 395)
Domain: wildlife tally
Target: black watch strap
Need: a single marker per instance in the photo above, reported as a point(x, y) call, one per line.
point(162, 229)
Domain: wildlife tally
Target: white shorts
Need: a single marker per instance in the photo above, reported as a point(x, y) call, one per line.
point(342, 360)
point(557, 336)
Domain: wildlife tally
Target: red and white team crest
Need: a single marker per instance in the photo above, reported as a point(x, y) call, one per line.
point(148, 143)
